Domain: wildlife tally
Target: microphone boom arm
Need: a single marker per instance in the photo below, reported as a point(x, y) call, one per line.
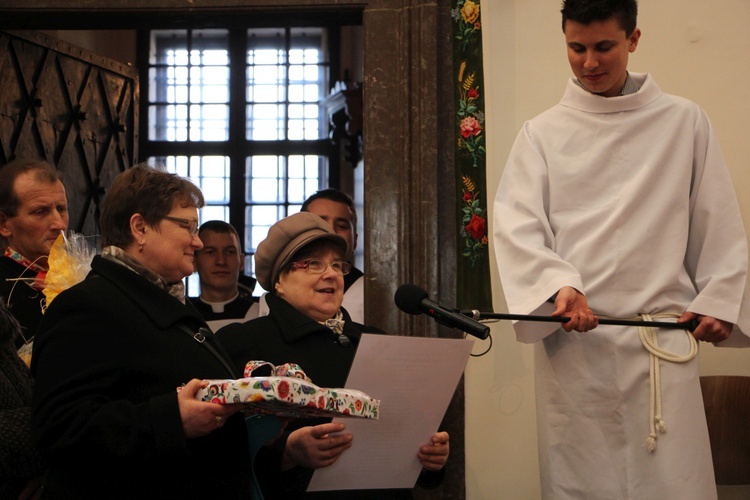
point(477, 315)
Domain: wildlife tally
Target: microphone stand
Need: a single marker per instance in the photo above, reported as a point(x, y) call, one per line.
point(477, 315)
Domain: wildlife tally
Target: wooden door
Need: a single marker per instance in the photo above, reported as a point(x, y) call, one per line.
point(73, 108)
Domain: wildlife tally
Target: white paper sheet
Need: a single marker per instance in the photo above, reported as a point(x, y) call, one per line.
point(414, 378)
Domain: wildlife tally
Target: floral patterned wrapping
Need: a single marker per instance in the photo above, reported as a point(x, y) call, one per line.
point(289, 393)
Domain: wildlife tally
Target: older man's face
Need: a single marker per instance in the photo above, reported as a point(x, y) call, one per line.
point(42, 214)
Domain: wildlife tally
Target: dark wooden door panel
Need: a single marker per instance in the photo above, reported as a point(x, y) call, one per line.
point(75, 109)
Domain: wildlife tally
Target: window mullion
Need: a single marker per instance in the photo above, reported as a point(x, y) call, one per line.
point(238, 149)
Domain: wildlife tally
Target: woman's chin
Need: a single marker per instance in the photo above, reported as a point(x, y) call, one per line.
point(322, 314)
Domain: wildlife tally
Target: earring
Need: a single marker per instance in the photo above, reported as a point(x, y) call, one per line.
point(140, 246)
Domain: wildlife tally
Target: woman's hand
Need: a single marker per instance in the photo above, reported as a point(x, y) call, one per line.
point(315, 447)
point(200, 417)
point(434, 456)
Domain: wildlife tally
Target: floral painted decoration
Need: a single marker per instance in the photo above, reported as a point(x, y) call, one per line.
point(466, 14)
point(290, 395)
point(474, 230)
point(470, 150)
point(470, 118)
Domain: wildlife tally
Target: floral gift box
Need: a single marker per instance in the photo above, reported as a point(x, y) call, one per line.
point(289, 393)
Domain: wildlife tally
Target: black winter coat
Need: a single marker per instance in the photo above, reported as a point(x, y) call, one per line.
point(24, 302)
point(108, 358)
point(287, 335)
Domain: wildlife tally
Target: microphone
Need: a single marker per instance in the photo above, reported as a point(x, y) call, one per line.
point(413, 300)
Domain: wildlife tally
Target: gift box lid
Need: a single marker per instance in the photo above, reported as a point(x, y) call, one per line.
point(289, 393)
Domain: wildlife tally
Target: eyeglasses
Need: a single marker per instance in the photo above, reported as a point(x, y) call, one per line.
point(190, 225)
point(319, 267)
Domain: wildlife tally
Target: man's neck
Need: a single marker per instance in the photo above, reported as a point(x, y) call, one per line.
point(38, 265)
point(217, 297)
point(629, 87)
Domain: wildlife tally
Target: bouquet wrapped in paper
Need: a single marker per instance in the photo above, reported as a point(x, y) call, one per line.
point(69, 262)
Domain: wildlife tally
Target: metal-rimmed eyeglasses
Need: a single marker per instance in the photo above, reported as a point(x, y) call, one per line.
point(319, 267)
point(191, 225)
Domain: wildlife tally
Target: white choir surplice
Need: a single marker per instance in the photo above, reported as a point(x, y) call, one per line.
point(627, 199)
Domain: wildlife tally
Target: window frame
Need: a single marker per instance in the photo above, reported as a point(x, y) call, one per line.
point(237, 148)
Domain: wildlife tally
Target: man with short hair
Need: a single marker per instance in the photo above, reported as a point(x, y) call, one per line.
point(617, 202)
point(337, 209)
point(219, 264)
point(33, 213)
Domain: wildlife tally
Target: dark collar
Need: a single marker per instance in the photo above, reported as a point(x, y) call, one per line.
point(350, 278)
point(295, 325)
point(161, 307)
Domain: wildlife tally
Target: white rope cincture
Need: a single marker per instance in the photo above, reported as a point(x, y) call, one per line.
point(650, 342)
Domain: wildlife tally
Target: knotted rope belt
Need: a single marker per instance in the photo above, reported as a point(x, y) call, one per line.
point(650, 342)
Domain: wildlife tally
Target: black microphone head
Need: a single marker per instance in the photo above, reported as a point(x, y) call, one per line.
point(409, 298)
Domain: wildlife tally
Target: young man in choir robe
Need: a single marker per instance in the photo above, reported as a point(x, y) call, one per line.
point(337, 209)
point(219, 264)
point(617, 202)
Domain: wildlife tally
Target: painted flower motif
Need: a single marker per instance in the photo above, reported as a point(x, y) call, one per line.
point(470, 12)
point(470, 127)
point(476, 227)
point(466, 14)
point(283, 389)
point(264, 385)
point(474, 222)
point(358, 405)
point(469, 117)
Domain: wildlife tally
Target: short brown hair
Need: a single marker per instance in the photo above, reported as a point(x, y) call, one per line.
point(218, 226)
point(332, 194)
point(587, 11)
point(147, 191)
point(43, 172)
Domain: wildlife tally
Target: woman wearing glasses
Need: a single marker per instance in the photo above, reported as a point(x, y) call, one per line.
point(112, 351)
point(301, 263)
